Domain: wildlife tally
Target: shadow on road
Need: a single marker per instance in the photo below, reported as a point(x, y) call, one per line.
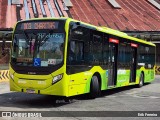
point(24, 100)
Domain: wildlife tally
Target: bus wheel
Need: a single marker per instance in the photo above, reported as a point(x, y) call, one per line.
point(94, 88)
point(141, 81)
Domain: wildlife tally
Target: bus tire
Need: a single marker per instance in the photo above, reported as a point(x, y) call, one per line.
point(141, 80)
point(94, 87)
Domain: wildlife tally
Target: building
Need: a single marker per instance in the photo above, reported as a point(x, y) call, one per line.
point(139, 18)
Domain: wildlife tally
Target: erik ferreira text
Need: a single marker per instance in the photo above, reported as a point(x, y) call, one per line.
point(147, 114)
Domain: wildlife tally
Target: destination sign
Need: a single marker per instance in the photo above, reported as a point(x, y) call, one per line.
point(38, 25)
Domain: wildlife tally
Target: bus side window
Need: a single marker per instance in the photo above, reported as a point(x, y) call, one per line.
point(96, 49)
point(79, 52)
point(76, 55)
point(71, 56)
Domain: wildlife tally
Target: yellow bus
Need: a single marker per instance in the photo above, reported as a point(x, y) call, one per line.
point(66, 57)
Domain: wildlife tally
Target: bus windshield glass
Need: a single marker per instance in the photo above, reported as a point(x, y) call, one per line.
point(37, 47)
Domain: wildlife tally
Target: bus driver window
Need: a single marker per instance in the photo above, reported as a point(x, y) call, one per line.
point(76, 52)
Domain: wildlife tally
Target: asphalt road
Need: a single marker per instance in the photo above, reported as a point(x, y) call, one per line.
point(125, 99)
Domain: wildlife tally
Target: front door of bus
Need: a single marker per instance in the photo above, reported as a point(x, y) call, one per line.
point(133, 63)
point(112, 66)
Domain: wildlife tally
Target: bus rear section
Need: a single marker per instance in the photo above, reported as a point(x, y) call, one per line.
point(38, 56)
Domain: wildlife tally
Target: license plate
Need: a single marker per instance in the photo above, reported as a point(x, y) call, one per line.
point(30, 91)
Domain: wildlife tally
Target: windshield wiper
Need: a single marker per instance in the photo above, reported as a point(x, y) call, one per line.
point(38, 42)
point(44, 38)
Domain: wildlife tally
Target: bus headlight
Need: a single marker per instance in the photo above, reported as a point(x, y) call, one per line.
point(57, 78)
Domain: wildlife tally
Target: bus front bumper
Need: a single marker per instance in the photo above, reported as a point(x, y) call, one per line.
point(56, 89)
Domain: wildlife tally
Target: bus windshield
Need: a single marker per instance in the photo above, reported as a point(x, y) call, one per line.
point(37, 48)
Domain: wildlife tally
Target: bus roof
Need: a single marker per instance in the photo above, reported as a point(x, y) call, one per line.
point(116, 33)
point(123, 35)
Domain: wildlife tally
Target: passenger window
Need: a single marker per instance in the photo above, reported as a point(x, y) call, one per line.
point(96, 48)
point(76, 55)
